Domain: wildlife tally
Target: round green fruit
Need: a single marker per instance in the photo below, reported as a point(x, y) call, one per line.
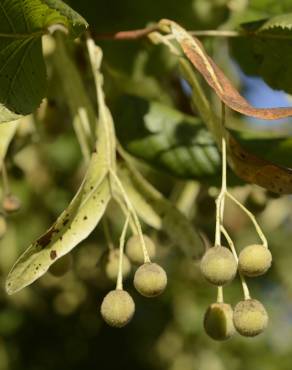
point(150, 279)
point(111, 264)
point(218, 321)
point(117, 308)
point(254, 260)
point(134, 249)
point(250, 317)
point(218, 265)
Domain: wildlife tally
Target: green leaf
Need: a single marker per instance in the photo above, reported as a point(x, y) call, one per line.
point(159, 213)
point(266, 51)
point(166, 138)
point(22, 68)
point(73, 225)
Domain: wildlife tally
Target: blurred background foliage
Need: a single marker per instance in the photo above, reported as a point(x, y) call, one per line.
point(55, 323)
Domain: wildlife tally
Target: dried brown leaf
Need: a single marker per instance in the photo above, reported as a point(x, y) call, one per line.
point(195, 52)
point(258, 171)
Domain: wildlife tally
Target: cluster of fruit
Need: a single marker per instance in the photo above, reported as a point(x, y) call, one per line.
point(219, 266)
point(150, 280)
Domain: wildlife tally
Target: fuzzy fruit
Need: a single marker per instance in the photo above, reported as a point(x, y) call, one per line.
point(150, 279)
point(218, 265)
point(117, 308)
point(218, 321)
point(250, 317)
point(254, 260)
point(111, 264)
point(134, 249)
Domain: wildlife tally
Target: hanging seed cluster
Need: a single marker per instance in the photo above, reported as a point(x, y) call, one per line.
point(220, 265)
point(249, 317)
point(150, 280)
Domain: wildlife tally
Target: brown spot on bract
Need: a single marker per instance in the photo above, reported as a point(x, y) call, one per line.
point(85, 218)
point(53, 254)
point(65, 222)
point(46, 238)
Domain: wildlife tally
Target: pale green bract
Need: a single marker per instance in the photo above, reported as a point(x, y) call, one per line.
point(82, 214)
point(22, 69)
point(72, 226)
